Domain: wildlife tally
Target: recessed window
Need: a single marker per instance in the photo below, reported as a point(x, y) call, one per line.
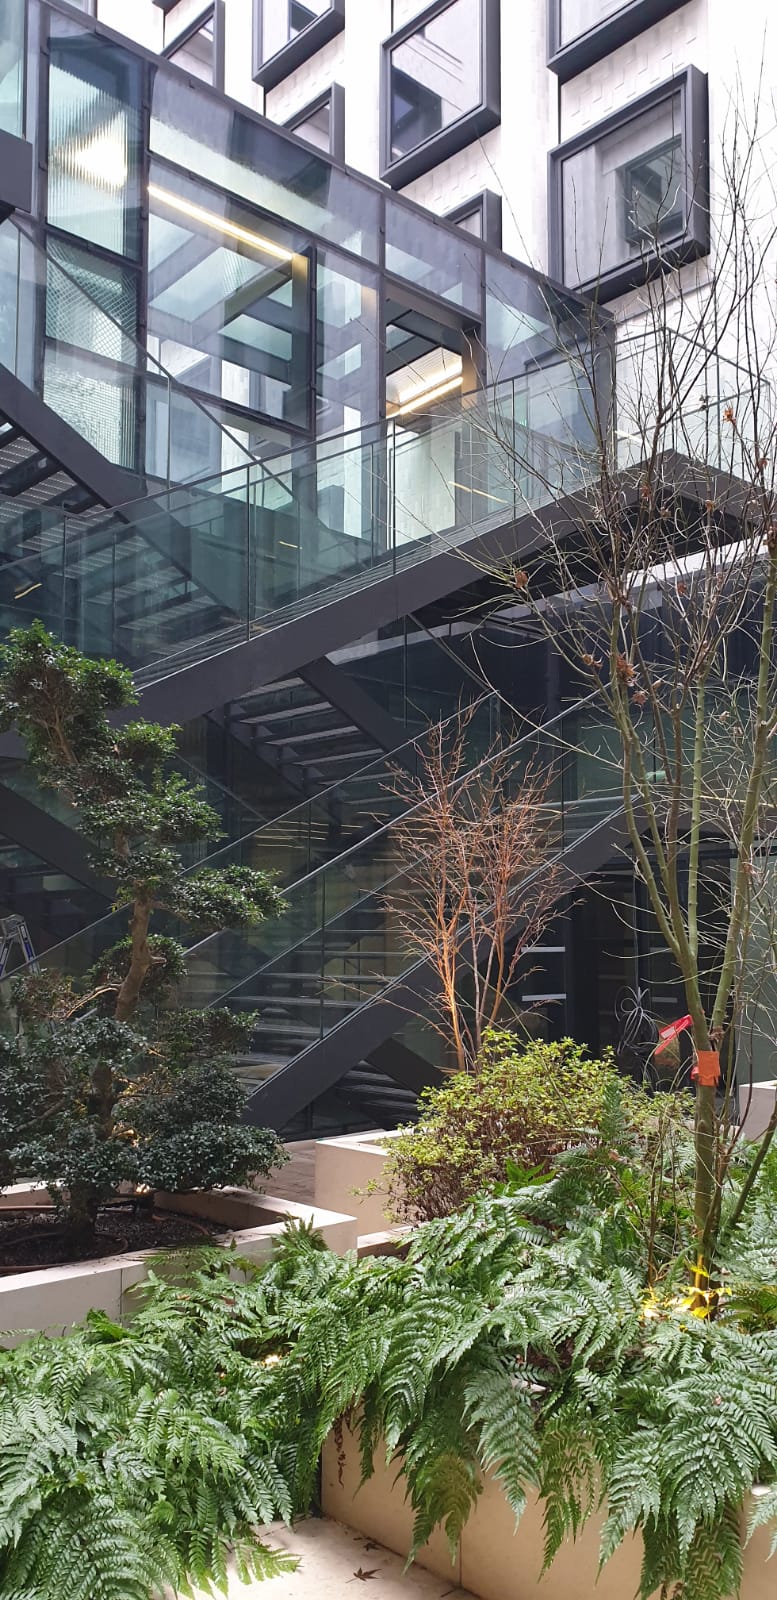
point(195, 42)
point(322, 123)
point(481, 216)
point(630, 196)
point(440, 86)
point(583, 31)
point(287, 32)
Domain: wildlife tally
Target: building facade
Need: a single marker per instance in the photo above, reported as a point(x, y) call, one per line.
point(278, 281)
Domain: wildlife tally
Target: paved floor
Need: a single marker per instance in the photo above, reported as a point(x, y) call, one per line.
point(338, 1564)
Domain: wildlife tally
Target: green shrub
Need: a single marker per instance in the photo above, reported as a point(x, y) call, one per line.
point(528, 1101)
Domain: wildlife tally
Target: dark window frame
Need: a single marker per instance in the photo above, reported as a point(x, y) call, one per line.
point(217, 10)
point(335, 94)
point(275, 68)
point(487, 114)
point(686, 244)
point(489, 204)
point(633, 17)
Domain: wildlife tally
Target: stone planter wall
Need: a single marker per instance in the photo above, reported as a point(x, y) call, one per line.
point(495, 1560)
point(53, 1298)
point(348, 1163)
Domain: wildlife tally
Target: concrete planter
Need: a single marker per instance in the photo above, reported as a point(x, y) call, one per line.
point(351, 1163)
point(497, 1561)
point(756, 1107)
point(53, 1298)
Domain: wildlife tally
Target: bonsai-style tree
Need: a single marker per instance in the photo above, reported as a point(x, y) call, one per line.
point(101, 1085)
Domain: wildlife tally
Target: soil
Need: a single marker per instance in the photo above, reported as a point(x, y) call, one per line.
point(32, 1237)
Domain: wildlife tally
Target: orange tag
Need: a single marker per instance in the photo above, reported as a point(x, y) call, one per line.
point(707, 1069)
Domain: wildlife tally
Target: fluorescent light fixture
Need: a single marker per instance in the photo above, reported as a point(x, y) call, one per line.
point(423, 397)
point(176, 202)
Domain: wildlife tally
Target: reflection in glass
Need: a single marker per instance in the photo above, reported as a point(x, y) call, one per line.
point(317, 126)
point(472, 221)
point(228, 300)
point(435, 76)
point(347, 343)
point(259, 164)
point(432, 258)
point(577, 16)
point(195, 53)
point(283, 20)
point(94, 141)
point(623, 192)
point(12, 66)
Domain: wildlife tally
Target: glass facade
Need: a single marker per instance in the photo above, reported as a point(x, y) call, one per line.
point(195, 53)
point(206, 288)
point(95, 140)
point(286, 32)
point(577, 16)
point(322, 123)
point(228, 299)
point(440, 86)
point(436, 76)
point(12, 44)
point(630, 195)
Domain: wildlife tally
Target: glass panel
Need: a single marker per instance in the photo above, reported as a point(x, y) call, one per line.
point(195, 55)
point(577, 16)
point(432, 258)
point(228, 300)
point(472, 221)
point(282, 20)
point(435, 76)
point(346, 343)
point(12, 20)
point(261, 165)
point(94, 140)
point(624, 191)
point(317, 127)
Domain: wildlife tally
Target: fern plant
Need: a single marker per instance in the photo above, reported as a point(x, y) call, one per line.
point(520, 1337)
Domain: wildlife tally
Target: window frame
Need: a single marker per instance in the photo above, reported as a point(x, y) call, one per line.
point(216, 9)
point(275, 68)
point(632, 18)
point(471, 125)
point(489, 203)
point(335, 94)
point(685, 245)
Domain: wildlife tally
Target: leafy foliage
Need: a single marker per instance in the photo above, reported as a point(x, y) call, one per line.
point(517, 1339)
point(527, 1102)
point(86, 1100)
point(166, 1115)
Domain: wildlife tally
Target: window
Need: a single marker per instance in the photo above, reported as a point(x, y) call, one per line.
point(583, 31)
point(630, 196)
point(287, 32)
point(440, 86)
point(322, 122)
point(481, 216)
point(194, 40)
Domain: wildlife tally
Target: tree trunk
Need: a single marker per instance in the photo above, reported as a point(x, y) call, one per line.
point(82, 1208)
point(140, 961)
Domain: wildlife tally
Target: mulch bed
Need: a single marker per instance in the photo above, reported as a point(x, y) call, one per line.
point(31, 1238)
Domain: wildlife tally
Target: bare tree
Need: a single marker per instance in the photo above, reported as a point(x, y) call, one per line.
point(656, 582)
point(479, 885)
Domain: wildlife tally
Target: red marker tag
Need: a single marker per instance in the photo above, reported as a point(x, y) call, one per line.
point(674, 1029)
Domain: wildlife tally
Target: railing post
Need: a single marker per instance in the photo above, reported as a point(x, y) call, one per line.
point(322, 957)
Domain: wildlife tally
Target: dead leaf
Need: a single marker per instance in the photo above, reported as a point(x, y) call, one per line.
point(359, 1573)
